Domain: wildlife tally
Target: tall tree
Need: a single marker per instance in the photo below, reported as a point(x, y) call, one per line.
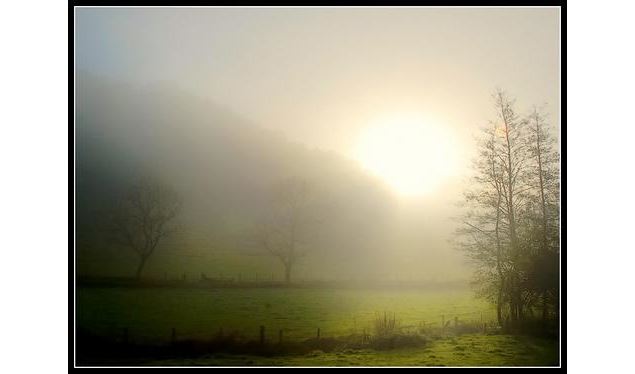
point(497, 230)
point(512, 154)
point(482, 228)
point(142, 218)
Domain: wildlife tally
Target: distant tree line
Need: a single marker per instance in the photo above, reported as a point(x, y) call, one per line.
point(510, 226)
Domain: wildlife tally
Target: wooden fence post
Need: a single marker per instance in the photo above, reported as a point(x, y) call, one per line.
point(443, 322)
point(318, 333)
point(280, 336)
point(262, 335)
point(173, 339)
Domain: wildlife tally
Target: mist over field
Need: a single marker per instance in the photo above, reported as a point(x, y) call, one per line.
point(324, 186)
point(223, 166)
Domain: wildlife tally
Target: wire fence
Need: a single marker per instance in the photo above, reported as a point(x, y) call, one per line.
point(449, 323)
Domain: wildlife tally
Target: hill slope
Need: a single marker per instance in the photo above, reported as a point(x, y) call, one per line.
point(223, 168)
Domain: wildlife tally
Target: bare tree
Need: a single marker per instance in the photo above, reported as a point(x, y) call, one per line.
point(284, 231)
point(482, 226)
point(142, 218)
point(510, 228)
point(497, 198)
point(545, 179)
point(513, 157)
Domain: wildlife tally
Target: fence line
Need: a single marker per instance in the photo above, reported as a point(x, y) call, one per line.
point(444, 322)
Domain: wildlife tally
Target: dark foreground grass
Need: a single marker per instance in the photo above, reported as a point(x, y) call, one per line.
point(465, 350)
point(98, 351)
point(200, 316)
point(150, 314)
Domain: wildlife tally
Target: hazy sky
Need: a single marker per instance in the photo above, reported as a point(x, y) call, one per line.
point(321, 76)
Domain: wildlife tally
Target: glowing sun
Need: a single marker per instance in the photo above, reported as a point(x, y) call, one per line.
point(411, 153)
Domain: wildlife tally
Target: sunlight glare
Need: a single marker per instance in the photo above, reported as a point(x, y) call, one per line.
point(411, 153)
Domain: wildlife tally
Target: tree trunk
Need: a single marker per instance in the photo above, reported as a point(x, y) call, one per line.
point(499, 305)
point(499, 255)
point(513, 300)
point(140, 267)
point(514, 284)
point(544, 305)
point(520, 303)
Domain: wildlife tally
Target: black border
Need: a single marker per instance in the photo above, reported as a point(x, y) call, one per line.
point(71, 127)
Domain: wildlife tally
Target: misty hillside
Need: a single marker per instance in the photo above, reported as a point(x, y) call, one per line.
point(223, 167)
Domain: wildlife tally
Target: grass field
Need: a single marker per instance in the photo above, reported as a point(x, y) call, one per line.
point(150, 314)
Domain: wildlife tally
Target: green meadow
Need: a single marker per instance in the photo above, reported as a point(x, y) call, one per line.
point(150, 314)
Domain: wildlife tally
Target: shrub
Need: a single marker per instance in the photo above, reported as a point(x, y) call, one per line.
point(386, 325)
